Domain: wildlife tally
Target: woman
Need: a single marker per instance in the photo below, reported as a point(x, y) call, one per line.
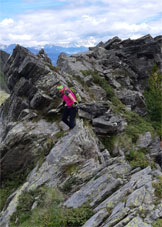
point(70, 102)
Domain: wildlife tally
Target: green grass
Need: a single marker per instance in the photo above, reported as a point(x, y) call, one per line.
point(14, 180)
point(158, 223)
point(7, 188)
point(86, 72)
point(69, 169)
point(137, 125)
point(24, 215)
point(158, 188)
point(125, 142)
point(49, 210)
point(153, 97)
point(117, 106)
point(82, 82)
point(53, 68)
point(97, 79)
point(158, 127)
point(109, 142)
point(59, 134)
point(104, 84)
point(67, 187)
point(137, 159)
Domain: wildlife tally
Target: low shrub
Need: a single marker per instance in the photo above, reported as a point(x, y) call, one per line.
point(158, 188)
point(6, 190)
point(137, 159)
point(158, 223)
point(11, 184)
point(53, 68)
point(137, 125)
point(49, 210)
point(68, 185)
point(109, 142)
point(153, 97)
point(104, 84)
point(97, 79)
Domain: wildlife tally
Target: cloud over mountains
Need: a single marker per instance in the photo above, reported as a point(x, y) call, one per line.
point(69, 22)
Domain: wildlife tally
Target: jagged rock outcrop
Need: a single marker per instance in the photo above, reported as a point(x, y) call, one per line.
point(23, 72)
point(44, 56)
point(134, 99)
point(123, 64)
point(23, 63)
point(3, 59)
point(91, 164)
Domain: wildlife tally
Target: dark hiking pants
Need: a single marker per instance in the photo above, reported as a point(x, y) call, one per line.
point(69, 116)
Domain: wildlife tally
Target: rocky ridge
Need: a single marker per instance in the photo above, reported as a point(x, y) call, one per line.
point(3, 59)
point(111, 79)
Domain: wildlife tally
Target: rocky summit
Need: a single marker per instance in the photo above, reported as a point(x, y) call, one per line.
point(105, 172)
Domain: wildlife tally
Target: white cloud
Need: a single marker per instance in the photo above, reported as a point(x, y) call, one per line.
point(84, 22)
point(6, 22)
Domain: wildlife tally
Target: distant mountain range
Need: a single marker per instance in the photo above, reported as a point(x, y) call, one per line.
point(52, 51)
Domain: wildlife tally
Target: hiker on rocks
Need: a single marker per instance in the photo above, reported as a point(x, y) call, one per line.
point(70, 103)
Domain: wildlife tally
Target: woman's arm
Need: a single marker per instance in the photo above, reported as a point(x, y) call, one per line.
point(71, 97)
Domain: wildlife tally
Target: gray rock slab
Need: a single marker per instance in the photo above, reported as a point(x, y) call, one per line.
point(94, 191)
point(96, 219)
point(144, 140)
point(77, 147)
point(117, 217)
point(116, 197)
point(157, 212)
point(136, 198)
point(137, 221)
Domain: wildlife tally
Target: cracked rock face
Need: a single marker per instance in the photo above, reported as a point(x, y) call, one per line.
point(31, 134)
point(77, 149)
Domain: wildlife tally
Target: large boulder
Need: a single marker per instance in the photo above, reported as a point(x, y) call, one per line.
point(93, 109)
point(108, 124)
point(142, 54)
point(134, 99)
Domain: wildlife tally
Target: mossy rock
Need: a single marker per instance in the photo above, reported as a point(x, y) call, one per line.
point(3, 96)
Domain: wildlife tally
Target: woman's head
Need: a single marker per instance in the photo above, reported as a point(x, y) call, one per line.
point(60, 87)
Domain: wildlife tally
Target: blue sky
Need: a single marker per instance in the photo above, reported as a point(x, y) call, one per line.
point(11, 8)
point(77, 22)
